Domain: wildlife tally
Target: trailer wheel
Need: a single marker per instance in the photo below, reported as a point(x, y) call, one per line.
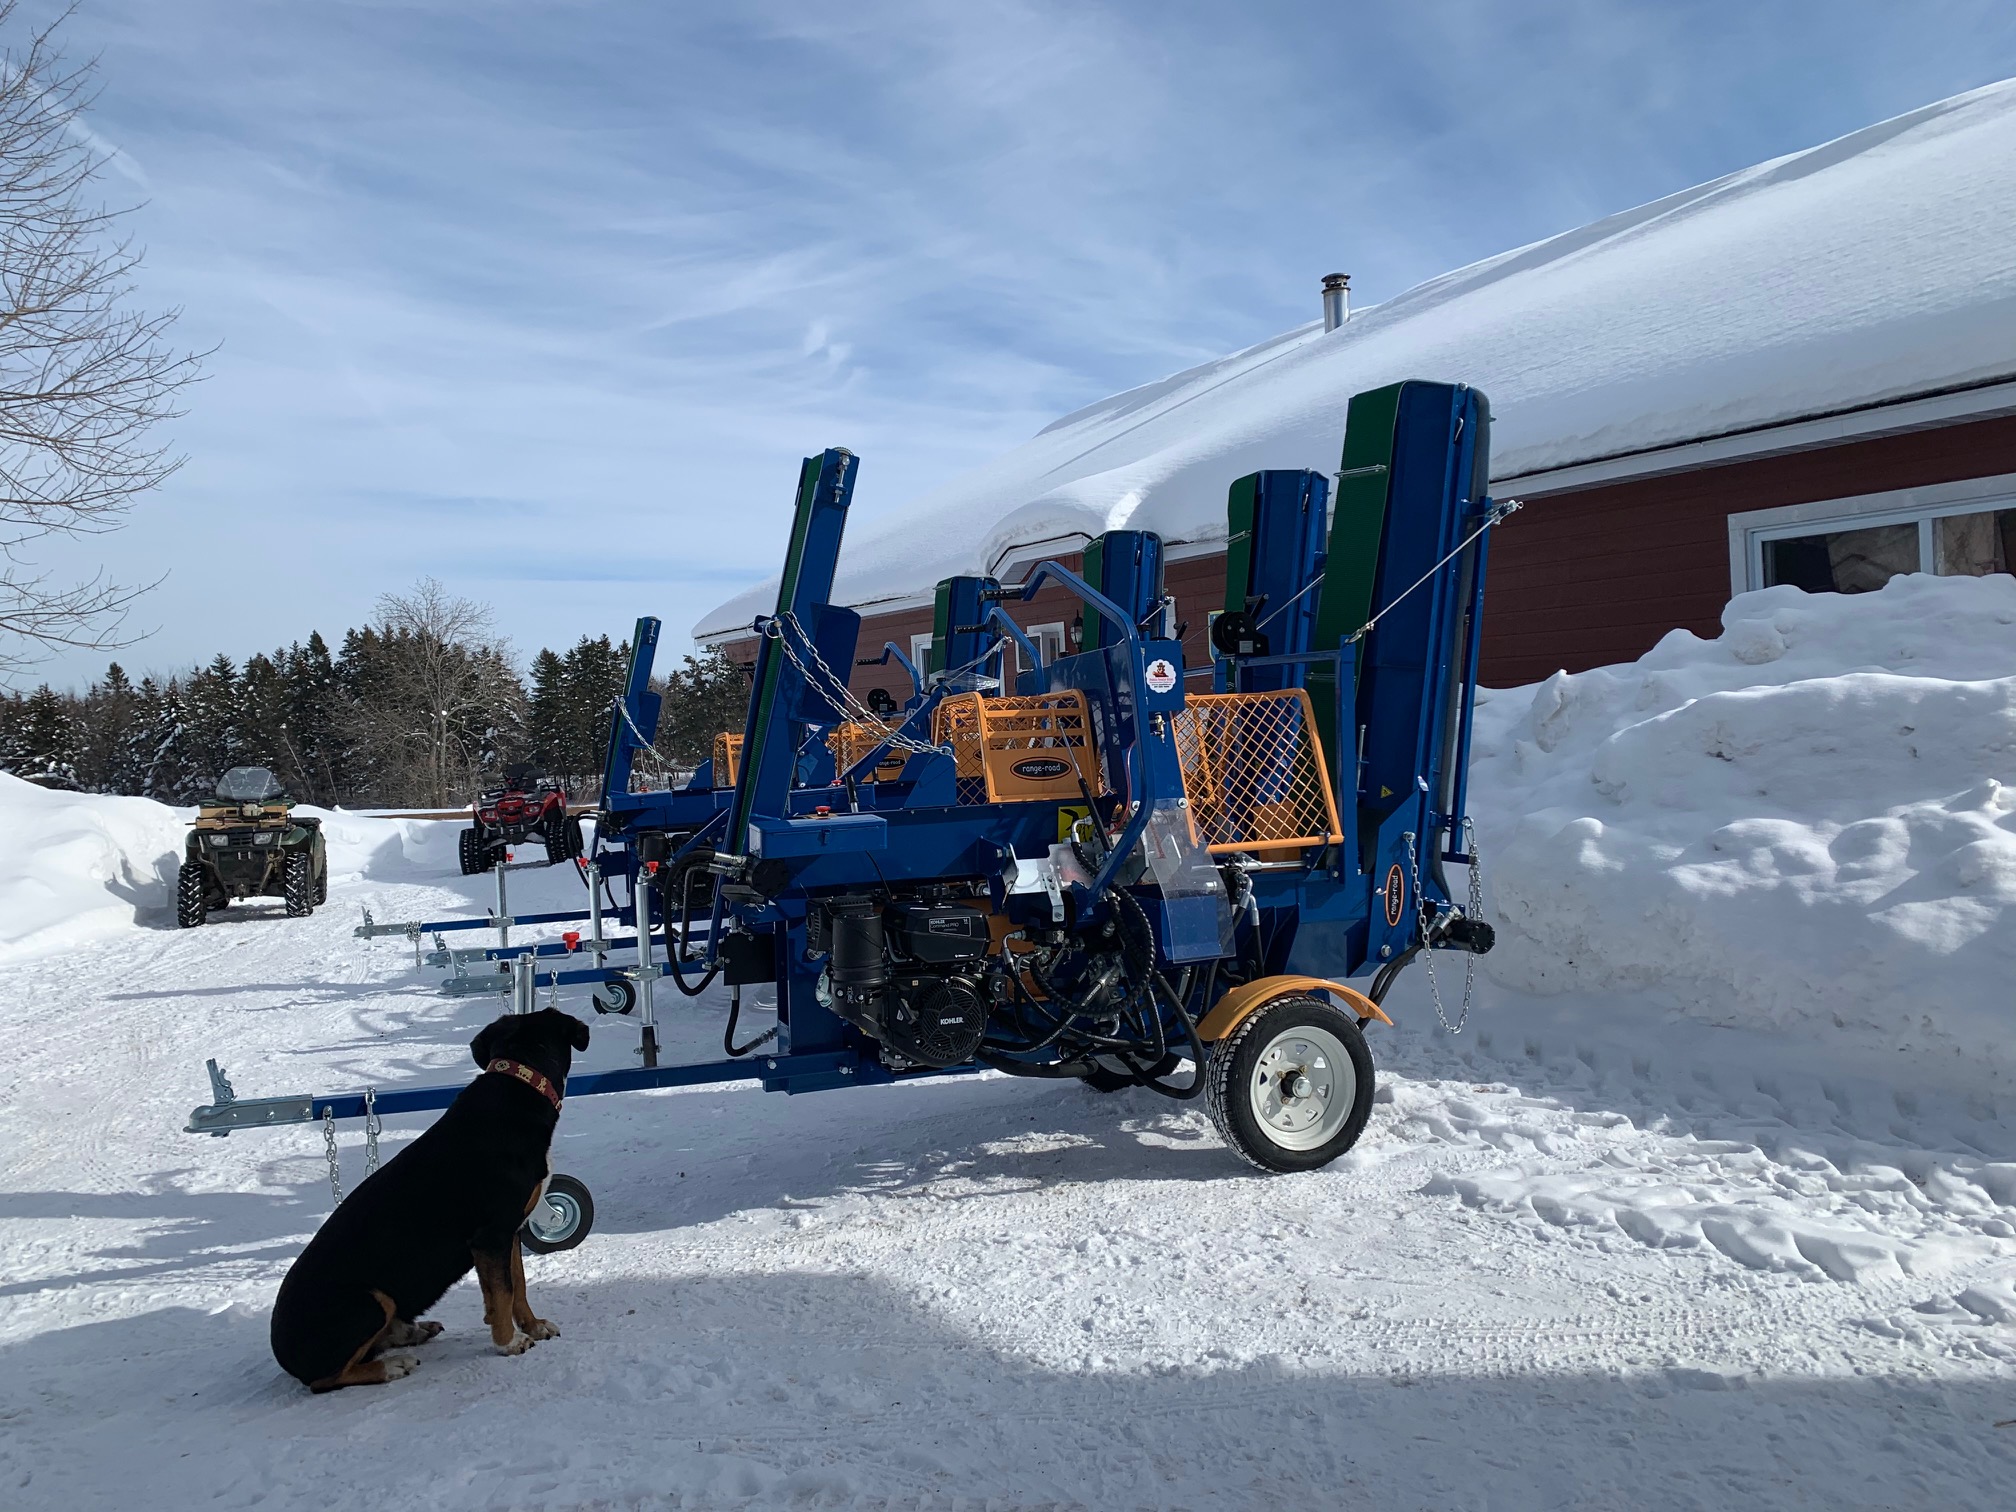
point(561, 844)
point(297, 884)
point(190, 904)
point(469, 855)
point(615, 997)
point(1291, 1088)
point(562, 1220)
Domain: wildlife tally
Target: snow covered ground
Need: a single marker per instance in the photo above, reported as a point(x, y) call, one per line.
point(1655, 1231)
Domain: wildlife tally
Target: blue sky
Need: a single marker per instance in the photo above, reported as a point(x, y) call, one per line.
point(546, 300)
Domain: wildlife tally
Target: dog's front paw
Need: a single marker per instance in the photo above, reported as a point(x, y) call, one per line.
point(539, 1328)
point(399, 1365)
point(518, 1345)
point(428, 1330)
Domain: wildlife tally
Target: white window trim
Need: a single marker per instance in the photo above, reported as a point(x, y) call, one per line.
point(920, 653)
point(1036, 634)
point(1749, 531)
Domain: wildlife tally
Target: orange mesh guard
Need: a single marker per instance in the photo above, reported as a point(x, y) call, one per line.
point(1253, 772)
point(727, 758)
point(854, 739)
point(1014, 750)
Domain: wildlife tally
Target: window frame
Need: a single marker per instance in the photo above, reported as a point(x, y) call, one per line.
point(1749, 530)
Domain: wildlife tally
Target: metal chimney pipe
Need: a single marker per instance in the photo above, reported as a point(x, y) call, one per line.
point(1336, 300)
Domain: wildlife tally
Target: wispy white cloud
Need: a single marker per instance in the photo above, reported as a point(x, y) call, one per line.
point(548, 300)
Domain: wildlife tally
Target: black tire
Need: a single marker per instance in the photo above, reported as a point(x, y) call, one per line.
point(1242, 1065)
point(297, 884)
point(322, 883)
point(1106, 1078)
point(571, 1198)
point(471, 857)
point(554, 833)
point(191, 907)
point(618, 996)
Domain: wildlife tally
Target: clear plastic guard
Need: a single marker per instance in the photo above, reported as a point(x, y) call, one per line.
point(1183, 870)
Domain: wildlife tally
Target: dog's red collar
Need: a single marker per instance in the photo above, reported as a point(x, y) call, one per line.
point(533, 1079)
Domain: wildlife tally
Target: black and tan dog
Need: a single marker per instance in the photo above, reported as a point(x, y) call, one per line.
point(452, 1199)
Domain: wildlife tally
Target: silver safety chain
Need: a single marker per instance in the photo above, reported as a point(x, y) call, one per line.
point(783, 629)
point(372, 1127)
point(329, 1144)
point(1427, 916)
point(622, 711)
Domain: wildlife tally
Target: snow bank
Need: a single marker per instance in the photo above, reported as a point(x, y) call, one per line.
point(81, 862)
point(1806, 823)
point(1862, 271)
point(76, 866)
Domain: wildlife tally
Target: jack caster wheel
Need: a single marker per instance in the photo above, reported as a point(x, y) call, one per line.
point(1291, 1088)
point(615, 997)
point(561, 1219)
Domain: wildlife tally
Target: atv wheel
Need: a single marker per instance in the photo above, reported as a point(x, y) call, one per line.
point(298, 885)
point(555, 833)
point(190, 906)
point(471, 856)
point(562, 1219)
point(322, 885)
point(1291, 1088)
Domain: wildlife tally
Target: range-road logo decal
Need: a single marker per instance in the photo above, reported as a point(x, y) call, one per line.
point(1396, 896)
point(1041, 768)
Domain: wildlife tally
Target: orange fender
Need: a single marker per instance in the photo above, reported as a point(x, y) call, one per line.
point(1247, 999)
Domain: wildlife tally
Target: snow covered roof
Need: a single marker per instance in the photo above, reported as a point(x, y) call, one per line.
point(1872, 269)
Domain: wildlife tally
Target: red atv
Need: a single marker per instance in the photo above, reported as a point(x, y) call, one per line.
point(511, 814)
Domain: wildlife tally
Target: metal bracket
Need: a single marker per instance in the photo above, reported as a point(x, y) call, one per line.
point(219, 1118)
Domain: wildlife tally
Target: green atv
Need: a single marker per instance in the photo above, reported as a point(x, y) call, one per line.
point(247, 843)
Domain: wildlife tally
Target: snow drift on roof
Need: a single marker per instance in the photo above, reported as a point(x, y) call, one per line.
point(1872, 268)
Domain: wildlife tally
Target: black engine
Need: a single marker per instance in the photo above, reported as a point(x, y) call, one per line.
point(910, 974)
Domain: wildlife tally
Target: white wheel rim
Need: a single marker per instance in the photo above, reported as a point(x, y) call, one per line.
point(1302, 1088)
point(555, 1218)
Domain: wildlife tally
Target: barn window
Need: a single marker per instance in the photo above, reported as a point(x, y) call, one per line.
point(1858, 544)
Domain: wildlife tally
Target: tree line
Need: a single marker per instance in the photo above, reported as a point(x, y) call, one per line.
point(423, 707)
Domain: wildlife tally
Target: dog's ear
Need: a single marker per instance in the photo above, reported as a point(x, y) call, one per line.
point(479, 1047)
point(577, 1032)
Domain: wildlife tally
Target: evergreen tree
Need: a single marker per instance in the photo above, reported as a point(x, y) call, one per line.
point(163, 743)
point(13, 748)
point(313, 716)
point(105, 714)
point(49, 741)
point(706, 696)
point(546, 713)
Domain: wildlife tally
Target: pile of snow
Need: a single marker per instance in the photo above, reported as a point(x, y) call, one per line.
point(77, 866)
point(1865, 270)
point(1808, 822)
point(81, 862)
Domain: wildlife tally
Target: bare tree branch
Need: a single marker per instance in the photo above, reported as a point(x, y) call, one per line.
point(84, 378)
